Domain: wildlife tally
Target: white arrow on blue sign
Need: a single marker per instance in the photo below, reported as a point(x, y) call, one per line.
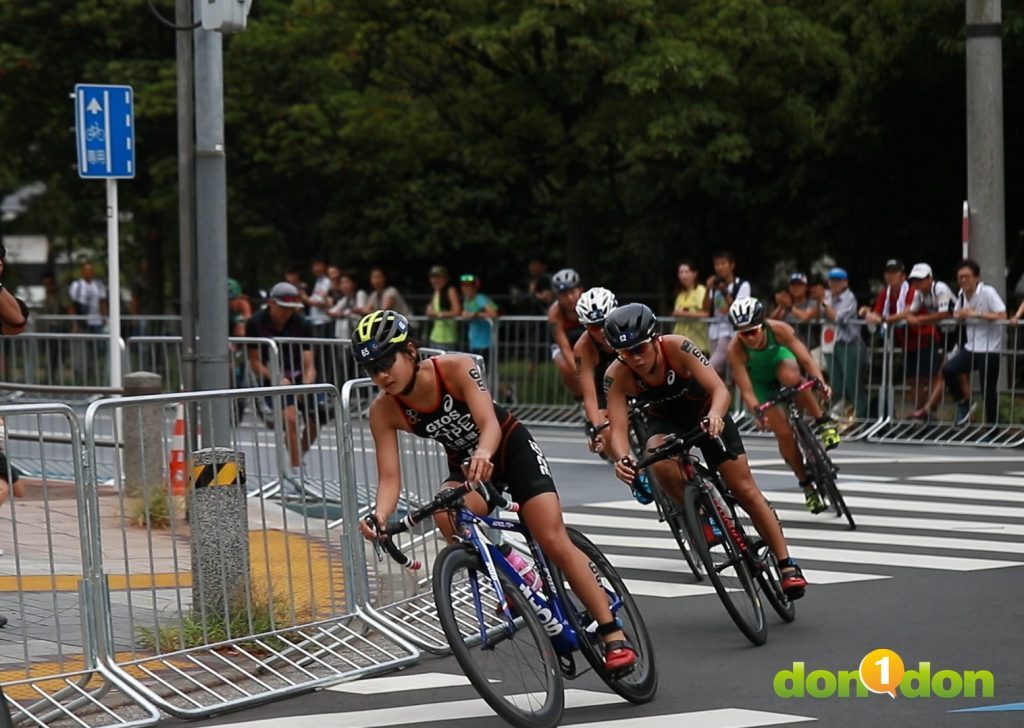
point(105, 131)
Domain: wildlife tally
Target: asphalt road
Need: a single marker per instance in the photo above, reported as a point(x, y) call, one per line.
point(934, 572)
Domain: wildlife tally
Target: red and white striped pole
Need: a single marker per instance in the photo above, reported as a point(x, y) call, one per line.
point(965, 230)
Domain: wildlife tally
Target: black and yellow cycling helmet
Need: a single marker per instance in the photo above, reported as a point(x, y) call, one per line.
point(378, 335)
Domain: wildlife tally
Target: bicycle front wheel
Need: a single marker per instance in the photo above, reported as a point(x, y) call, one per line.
point(725, 565)
point(640, 685)
point(514, 669)
point(673, 516)
point(768, 578)
point(824, 473)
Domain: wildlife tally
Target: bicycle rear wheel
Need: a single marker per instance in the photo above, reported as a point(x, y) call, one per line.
point(640, 685)
point(768, 578)
point(823, 471)
point(515, 670)
point(672, 515)
point(725, 565)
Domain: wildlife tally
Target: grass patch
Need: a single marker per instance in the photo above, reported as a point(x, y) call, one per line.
point(151, 507)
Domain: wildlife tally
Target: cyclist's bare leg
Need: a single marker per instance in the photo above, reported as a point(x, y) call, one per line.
point(542, 514)
point(567, 371)
point(778, 422)
point(788, 374)
point(740, 481)
point(667, 473)
point(473, 501)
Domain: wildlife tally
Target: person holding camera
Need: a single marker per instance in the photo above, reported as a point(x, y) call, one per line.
point(724, 287)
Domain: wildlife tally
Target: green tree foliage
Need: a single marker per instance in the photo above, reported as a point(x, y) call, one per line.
point(617, 135)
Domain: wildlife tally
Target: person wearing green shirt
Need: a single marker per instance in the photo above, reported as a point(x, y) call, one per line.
point(691, 304)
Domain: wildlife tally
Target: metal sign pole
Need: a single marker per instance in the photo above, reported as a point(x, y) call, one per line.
point(113, 284)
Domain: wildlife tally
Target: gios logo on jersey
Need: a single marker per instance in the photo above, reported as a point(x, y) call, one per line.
point(453, 428)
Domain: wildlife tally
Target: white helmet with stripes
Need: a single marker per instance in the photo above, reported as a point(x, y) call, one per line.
point(594, 305)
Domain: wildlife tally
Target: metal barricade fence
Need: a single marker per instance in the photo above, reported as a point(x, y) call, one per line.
point(525, 378)
point(245, 601)
point(48, 661)
point(73, 365)
point(996, 405)
point(149, 325)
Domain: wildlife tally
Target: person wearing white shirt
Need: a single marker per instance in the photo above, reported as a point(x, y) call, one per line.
point(722, 289)
point(978, 307)
point(319, 299)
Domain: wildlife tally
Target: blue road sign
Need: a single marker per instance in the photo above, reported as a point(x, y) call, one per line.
point(105, 131)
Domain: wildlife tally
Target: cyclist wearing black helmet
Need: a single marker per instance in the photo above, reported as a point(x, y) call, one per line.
point(566, 327)
point(593, 355)
point(765, 355)
point(445, 399)
point(676, 380)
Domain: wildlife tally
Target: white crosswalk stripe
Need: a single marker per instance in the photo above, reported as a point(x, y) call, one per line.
point(898, 528)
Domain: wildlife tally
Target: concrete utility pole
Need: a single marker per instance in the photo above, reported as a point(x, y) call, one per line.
point(985, 179)
point(186, 194)
point(212, 370)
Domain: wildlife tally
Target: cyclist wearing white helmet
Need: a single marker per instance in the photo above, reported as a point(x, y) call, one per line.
point(676, 381)
point(566, 328)
point(593, 355)
point(765, 355)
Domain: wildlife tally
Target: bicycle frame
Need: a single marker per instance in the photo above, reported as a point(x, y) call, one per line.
point(547, 606)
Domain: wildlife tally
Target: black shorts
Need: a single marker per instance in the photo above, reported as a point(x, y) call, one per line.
point(10, 477)
point(713, 455)
point(923, 362)
point(519, 467)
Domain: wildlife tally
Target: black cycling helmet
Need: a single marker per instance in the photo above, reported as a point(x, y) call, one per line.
point(379, 334)
point(630, 325)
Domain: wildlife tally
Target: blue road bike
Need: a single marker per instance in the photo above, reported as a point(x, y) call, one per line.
point(516, 642)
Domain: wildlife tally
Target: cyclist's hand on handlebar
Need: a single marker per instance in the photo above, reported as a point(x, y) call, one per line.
point(826, 391)
point(369, 532)
point(760, 421)
point(480, 467)
point(625, 469)
point(713, 425)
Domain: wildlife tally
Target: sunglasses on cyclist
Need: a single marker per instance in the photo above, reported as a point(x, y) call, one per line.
point(749, 333)
point(379, 366)
point(634, 350)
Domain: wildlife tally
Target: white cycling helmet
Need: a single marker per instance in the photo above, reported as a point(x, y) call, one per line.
point(594, 305)
point(565, 280)
point(746, 313)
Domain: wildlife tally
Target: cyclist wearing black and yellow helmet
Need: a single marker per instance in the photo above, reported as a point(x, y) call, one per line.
point(445, 399)
point(675, 379)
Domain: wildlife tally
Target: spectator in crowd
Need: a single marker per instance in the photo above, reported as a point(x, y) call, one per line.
point(1015, 319)
point(839, 307)
point(239, 308)
point(723, 288)
point(690, 304)
point(283, 318)
point(978, 306)
point(480, 311)
point(444, 308)
point(293, 275)
point(349, 300)
point(13, 320)
point(319, 298)
point(55, 303)
point(383, 297)
point(542, 297)
point(89, 300)
point(799, 309)
point(892, 299)
point(932, 301)
point(334, 275)
point(566, 327)
point(143, 302)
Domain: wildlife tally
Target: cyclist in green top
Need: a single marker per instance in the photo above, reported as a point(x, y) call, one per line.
point(766, 355)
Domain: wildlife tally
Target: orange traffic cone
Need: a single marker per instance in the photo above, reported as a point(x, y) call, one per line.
point(177, 470)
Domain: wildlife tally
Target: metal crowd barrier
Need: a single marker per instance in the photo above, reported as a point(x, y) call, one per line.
point(45, 365)
point(150, 325)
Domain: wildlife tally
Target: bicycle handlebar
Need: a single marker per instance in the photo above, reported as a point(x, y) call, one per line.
point(678, 444)
point(446, 499)
point(786, 394)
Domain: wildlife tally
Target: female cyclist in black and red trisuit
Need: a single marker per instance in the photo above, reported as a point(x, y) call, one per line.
point(675, 379)
point(566, 327)
point(445, 399)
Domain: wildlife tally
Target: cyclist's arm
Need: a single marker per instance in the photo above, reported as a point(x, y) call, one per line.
point(558, 333)
point(617, 387)
point(738, 362)
point(461, 371)
point(684, 353)
point(385, 442)
point(584, 356)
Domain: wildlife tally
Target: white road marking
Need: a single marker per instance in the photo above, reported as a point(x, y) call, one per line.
point(974, 478)
point(718, 718)
point(401, 683)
